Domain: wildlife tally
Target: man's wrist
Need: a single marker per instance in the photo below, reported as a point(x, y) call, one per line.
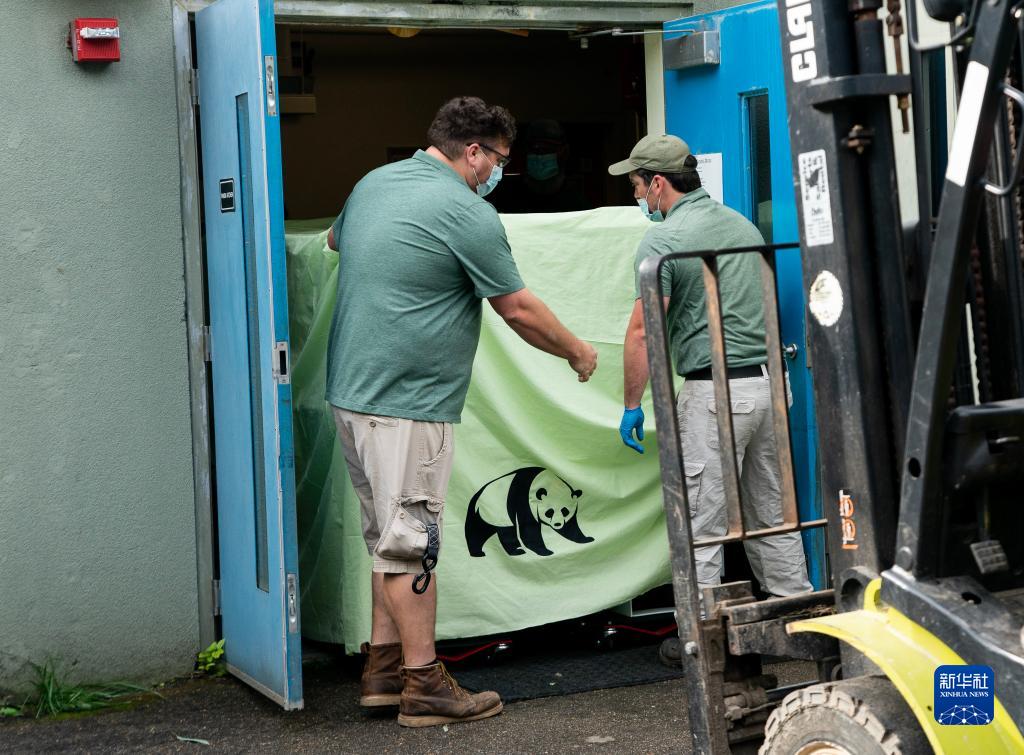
point(578, 350)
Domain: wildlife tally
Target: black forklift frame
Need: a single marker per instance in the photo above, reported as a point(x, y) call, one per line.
point(958, 610)
point(838, 97)
point(830, 112)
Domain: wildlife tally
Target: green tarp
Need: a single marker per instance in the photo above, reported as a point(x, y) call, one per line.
point(537, 451)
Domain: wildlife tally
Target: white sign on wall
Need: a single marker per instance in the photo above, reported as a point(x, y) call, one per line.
point(709, 167)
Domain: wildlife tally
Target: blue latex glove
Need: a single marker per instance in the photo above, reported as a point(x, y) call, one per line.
point(632, 420)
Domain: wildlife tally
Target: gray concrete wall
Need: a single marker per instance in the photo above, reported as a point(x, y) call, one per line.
point(97, 523)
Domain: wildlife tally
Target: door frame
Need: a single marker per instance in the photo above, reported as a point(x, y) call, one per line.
point(196, 318)
point(531, 14)
point(539, 15)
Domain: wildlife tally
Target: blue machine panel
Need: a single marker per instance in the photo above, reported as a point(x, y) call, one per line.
point(738, 108)
point(246, 280)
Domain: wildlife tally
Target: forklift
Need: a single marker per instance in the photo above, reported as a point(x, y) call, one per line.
point(916, 337)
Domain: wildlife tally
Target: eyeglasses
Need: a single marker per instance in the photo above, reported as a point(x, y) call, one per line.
point(503, 159)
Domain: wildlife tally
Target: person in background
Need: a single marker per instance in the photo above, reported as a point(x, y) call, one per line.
point(545, 185)
point(419, 250)
point(668, 190)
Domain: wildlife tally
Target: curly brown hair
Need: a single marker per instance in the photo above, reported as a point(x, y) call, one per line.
point(465, 120)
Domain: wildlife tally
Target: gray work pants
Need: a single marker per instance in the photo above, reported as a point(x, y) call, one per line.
point(777, 561)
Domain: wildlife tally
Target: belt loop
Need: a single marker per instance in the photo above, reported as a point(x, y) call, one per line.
point(764, 371)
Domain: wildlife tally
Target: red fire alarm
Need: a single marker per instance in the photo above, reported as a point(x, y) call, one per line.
point(95, 39)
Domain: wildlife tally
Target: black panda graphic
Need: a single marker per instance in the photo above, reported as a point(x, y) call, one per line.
point(518, 506)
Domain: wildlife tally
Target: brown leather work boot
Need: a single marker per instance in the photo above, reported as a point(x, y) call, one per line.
point(431, 697)
point(381, 684)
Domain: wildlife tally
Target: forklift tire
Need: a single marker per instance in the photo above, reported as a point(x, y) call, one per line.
point(862, 716)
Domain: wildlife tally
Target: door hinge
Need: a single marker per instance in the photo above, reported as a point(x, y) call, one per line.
point(282, 373)
point(292, 582)
point(193, 85)
point(216, 597)
point(204, 337)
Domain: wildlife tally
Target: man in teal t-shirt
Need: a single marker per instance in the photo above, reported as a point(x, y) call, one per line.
point(668, 189)
point(419, 249)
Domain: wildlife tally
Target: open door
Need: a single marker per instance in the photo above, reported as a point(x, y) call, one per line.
point(725, 96)
point(252, 413)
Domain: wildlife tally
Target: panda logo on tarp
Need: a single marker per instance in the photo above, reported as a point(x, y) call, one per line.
point(521, 507)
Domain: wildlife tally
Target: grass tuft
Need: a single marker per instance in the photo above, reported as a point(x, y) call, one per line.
point(54, 695)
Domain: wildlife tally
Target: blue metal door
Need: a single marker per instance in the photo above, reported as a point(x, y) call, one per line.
point(254, 461)
point(736, 109)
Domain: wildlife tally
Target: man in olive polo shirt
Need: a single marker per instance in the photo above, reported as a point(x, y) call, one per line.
point(668, 189)
point(419, 248)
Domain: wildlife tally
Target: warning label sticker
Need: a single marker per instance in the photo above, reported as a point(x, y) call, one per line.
point(815, 199)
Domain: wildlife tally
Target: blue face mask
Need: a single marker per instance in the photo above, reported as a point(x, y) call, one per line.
point(542, 167)
point(654, 217)
point(485, 188)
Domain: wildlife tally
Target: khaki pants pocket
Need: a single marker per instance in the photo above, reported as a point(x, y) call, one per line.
point(432, 452)
point(740, 406)
point(694, 471)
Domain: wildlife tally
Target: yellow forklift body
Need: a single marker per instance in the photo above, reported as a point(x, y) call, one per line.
point(909, 654)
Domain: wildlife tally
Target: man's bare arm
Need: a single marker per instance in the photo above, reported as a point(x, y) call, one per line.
point(634, 357)
point(532, 321)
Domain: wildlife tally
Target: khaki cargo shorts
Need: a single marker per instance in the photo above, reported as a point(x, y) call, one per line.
point(400, 470)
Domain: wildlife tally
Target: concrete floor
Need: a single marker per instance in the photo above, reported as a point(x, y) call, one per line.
point(642, 719)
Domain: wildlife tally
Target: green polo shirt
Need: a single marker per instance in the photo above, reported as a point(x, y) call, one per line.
point(418, 251)
point(697, 222)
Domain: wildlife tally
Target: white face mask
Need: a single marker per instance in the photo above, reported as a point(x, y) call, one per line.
point(485, 188)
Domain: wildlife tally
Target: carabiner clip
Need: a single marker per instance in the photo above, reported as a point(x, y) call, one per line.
point(422, 581)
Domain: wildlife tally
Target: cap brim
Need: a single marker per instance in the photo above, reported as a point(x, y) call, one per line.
point(621, 168)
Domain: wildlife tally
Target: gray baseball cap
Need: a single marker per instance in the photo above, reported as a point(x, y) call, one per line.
point(660, 154)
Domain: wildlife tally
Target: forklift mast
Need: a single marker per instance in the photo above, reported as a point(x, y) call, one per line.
point(855, 263)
